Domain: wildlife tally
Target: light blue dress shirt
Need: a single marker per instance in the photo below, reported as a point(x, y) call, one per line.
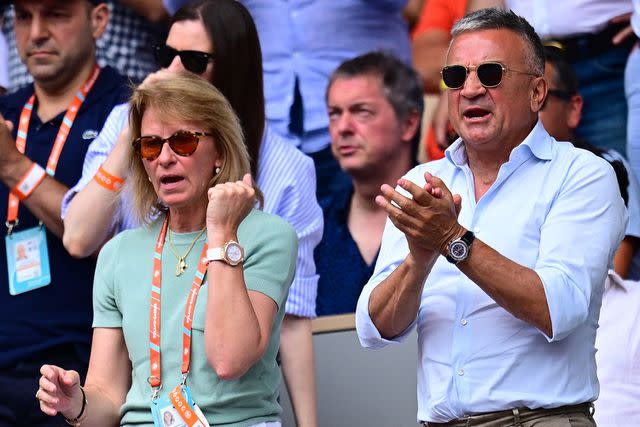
point(308, 39)
point(553, 208)
point(286, 177)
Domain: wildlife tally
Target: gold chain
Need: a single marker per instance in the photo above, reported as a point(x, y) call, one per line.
point(182, 264)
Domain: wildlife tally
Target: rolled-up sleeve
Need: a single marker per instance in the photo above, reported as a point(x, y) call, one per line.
point(368, 334)
point(393, 251)
point(578, 238)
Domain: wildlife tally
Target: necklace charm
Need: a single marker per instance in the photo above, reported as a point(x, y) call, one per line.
point(182, 263)
point(181, 266)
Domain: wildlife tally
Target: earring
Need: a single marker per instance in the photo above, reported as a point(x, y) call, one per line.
point(149, 178)
point(217, 170)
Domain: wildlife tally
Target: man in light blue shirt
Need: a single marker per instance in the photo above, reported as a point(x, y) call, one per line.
point(498, 252)
point(560, 116)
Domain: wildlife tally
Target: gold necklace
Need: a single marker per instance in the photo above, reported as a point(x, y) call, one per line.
point(182, 264)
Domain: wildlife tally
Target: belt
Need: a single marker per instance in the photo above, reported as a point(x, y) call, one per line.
point(512, 416)
point(589, 45)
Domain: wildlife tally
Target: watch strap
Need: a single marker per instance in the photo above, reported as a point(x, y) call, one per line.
point(222, 254)
point(215, 254)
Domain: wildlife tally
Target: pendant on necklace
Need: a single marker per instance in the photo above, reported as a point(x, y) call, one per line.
point(181, 267)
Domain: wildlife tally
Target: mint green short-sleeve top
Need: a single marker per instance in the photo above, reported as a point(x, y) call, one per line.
point(122, 297)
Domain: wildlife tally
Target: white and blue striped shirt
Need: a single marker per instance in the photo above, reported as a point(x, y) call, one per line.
point(286, 177)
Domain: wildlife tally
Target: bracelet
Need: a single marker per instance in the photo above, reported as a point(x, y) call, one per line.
point(75, 422)
point(29, 181)
point(108, 181)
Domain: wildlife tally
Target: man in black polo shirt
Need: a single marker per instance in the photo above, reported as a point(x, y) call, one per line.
point(45, 303)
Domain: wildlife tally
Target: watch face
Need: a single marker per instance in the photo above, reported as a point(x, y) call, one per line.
point(234, 253)
point(458, 250)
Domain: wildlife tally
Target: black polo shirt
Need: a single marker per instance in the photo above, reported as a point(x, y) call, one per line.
point(58, 315)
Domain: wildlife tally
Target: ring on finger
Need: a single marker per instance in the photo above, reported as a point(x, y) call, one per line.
point(37, 393)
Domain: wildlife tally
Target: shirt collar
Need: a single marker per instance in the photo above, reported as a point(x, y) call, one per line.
point(336, 204)
point(539, 142)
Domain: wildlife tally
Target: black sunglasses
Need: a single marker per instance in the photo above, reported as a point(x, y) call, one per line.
point(183, 143)
point(192, 60)
point(489, 73)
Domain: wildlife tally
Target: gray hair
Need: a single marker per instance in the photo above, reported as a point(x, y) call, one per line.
point(498, 19)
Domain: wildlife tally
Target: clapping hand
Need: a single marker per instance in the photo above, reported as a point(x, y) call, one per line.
point(429, 218)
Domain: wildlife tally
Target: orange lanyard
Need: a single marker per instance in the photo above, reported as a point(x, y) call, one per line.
point(154, 312)
point(61, 139)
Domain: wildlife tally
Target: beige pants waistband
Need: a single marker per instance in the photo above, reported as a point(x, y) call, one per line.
point(514, 416)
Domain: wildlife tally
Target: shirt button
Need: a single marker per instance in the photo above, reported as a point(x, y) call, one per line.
point(460, 372)
point(464, 322)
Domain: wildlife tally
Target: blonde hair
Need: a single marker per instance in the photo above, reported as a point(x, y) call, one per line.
point(185, 96)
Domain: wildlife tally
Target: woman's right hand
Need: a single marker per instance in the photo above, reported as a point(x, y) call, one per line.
point(229, 204)
point(59, 391)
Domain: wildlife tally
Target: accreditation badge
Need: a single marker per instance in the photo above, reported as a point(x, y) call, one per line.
point(27, 260)
point(165, 414)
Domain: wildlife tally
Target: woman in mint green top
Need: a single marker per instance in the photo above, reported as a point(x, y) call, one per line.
point(188, 307)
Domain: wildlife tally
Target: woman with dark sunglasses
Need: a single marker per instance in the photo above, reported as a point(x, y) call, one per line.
point(217, 40)
point(188, 307)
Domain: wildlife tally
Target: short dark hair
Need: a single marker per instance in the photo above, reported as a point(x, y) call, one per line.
point(401, 85)
point(564, 76)
point(498, 19)
point(237, 63)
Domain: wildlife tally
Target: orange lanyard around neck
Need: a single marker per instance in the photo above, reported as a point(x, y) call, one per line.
point(155, 311)
point(61, 138)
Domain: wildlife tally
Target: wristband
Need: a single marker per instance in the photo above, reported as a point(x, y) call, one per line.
point(29, 181)
point(76, 421)
point(108, 181)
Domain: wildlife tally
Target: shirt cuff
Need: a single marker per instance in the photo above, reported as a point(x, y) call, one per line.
point(368, 334)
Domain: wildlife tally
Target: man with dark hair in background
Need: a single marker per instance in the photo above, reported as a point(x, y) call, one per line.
point(375, 105)
point(45, 306)
point(134, 26)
